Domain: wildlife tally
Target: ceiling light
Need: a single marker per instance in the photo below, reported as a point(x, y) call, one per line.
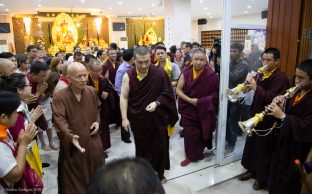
point(140, 9)
point(119, 2)
point(39, 5)
point(7, 10)
point(1, 4)
point(248, 6)
point(210, 17)
point(208, 13)
point(201, 1)
point(110, 8)
point(245, 12)
point(153, 4)
point(82, 1)
point(205, 8)
point(129, 12)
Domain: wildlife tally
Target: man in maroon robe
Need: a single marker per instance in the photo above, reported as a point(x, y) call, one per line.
point(197, 89)
point(76, 116)
point(148, 107)
point(295, 137)
point(258, 149)
point(104, 91)
point(109, 72)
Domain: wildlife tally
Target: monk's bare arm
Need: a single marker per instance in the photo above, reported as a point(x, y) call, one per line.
point(181, 94)
point(124, 94)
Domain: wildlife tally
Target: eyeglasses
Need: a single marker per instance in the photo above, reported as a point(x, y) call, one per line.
point(27, 85)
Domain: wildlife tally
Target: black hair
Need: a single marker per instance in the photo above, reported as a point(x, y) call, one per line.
point(67, 55)
point(6, 55)
point(89, 57)
point(13, 81)
point(9, 102)
point(113, 46)
point(78, 54)
point(306, 66)
point(173, 49)
point(76, 47)
point(189, 45)
point(57, 54)
point(161, 48)
point(195, 44)
point(99, 53)
point(21, 59)
point(127, 54)
point(237, 46)
point(38, 66)
point(30, 47)
point(128, 175)
point(274, 51)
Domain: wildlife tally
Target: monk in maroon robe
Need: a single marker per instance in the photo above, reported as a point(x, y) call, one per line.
point(109, 71)
point(104, 91)
point(295, 137)
point(76, 116)
point(198, 88)
point(148, 107)
point(258, 149)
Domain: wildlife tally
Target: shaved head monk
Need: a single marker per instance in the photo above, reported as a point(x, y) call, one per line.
point(148, 107)
point(76, 116)
point(7, 67)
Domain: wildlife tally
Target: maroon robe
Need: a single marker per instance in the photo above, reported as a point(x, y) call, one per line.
point(199, 121)
point(73, 117)
point(150, 128)
point(293, 142)
point(104, 86)
point(258, 149)
point(115, 115)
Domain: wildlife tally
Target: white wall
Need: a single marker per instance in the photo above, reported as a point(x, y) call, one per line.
point(216, 24)
point(114, 36)
point(9, 37)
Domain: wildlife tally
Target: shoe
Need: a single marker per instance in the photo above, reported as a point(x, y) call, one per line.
point(185, 162)
point(257, 186)
point(181, 133)
point(245, 176)
point(46, 148)
point(126, 140)
point(45, 165)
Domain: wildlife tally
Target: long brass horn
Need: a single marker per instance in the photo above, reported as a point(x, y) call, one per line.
point(249, 126)
point(232, 94)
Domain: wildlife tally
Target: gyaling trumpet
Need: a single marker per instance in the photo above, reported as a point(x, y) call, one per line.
point(232, 94)
point(249, 126)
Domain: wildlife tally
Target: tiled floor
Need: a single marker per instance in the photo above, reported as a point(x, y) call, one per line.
point(200, 177)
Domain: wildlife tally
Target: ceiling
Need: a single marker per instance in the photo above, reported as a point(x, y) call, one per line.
point(129, 8)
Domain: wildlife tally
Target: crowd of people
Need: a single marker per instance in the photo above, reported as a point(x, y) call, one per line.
point(143, 89)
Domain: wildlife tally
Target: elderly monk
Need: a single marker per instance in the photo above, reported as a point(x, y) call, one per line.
point(76, 116)
point(148, 105)
point(198, 88)
point(7, 67)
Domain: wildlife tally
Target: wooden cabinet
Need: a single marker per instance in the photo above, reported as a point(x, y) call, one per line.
point(237, 36)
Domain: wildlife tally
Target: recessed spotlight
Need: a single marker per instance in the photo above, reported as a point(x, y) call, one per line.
point(82, 1)
point(245, 12)
point(119, 3)
point(248, 6)
point(153, 4)
point(39, 5)
point(210, 17)
point(140, 9)
point(7, 10)
point(1, 4)
point(205, 8)
point(129, 12)
point(201, 1)
point(208, 13)
point(110, 8)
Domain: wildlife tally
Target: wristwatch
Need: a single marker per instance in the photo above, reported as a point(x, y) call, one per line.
point(157, 103)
